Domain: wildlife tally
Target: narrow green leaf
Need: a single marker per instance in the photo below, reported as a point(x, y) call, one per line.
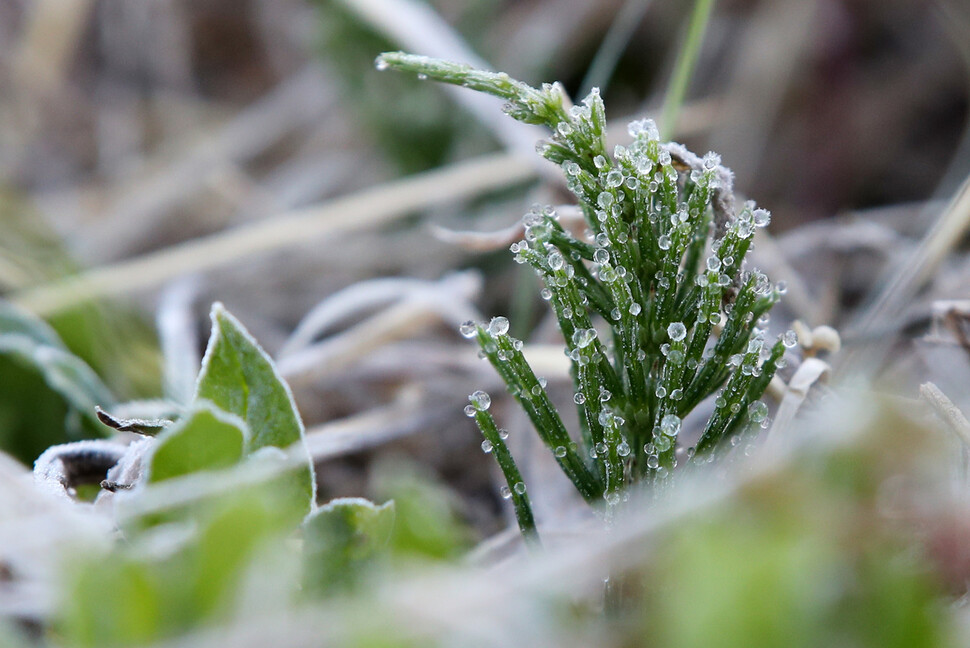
point(513, 478)
point(49, 395)
point(28, 340)
point(205, 439)
point(14, 320)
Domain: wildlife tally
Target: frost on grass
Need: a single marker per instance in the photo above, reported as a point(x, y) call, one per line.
point(656, 305)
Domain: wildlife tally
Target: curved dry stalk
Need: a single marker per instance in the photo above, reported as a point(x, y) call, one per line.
point(408, 413)
point(368, 208)
point(908, 277)
point(459, 288)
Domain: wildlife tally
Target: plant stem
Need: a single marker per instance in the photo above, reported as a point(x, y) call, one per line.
point(520, 499)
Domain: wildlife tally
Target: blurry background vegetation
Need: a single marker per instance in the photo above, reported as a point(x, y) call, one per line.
point(128, 129)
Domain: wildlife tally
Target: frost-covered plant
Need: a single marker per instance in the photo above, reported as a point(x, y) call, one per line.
point(656, 307)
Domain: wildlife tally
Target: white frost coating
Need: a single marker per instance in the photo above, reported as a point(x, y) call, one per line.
point(51, 474)
point(356, 501)
point(218, 310)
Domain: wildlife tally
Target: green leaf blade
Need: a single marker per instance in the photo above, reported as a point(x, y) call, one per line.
point(239, 377)
point(205, 439)
point(341, 540)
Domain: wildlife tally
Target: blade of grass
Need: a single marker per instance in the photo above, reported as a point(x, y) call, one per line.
point(684, 67)
point(614, 44)
point(520, 498)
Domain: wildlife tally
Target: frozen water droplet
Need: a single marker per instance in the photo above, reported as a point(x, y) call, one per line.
point(546, 294)
point(614, 178)
point(505, 492)
point(615, 313)
point(677, 331)
point(498, 326)
point(761, 217)
point(520, 488)
point(381, 64)
point(713, 263)
point(663, 242)
point(555, 260)
point(599, 161)
point(643, 128)
point(653, 462)
point(612, 498)
point(470, 410)
point(480, 400)
point(623, 449)
point(486, 446)
point(661, 391)
point(579, 398)
point(468, 329)
point(559, 452)
point(582, 338)
point(670, 424)
point(635, 308)
point(601, 256)
point(503, 434)
point(605, 395)
point(757, 411)
point(790, 338)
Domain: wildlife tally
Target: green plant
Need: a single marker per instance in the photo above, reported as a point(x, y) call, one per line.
point(661, 274)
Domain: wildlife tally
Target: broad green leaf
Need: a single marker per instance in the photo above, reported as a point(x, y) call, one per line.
point(341, 539)
point(240, 378)
point(49, 395)
point(427, 524)
point(205, 439)
point(268, 475)
point(171, 579)
point(113, 601)
point(225, 549)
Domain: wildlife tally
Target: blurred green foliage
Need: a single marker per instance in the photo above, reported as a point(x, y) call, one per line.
point(421, 129)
